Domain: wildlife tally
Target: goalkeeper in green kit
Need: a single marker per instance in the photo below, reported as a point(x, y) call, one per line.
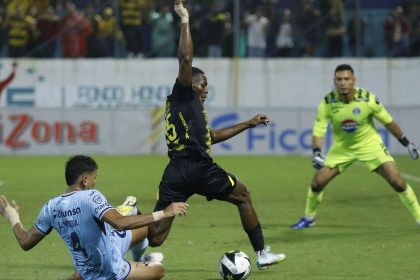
point(351, 111)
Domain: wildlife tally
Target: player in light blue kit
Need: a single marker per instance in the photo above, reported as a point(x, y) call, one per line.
point(96, 234)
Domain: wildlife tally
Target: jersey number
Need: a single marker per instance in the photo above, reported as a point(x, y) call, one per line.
point(170, 129)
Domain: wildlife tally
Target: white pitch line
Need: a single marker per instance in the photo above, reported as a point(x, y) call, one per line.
point(410, 177)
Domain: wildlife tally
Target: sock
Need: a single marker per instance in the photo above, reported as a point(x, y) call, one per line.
point(137, 250)
point(256, 237)
point(409, 199)
point(312, 201)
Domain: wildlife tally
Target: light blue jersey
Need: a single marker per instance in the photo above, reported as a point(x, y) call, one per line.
point(93, 244)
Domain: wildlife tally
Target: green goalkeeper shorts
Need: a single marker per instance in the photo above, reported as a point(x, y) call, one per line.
point(372, 157)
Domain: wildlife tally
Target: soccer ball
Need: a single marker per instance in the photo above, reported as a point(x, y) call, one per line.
point(234, 265)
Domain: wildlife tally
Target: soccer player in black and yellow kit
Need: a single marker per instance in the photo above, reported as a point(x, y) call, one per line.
point(351, 111)
point(191, 169)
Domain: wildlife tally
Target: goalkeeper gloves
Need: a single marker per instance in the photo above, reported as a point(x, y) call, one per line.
point(413, 150)
point(181, 11)
point(318, 161)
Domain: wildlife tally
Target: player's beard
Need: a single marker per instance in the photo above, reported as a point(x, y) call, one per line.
point(344, 91)
point(346, 95)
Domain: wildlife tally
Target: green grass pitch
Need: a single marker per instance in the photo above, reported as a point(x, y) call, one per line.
point(363, 231)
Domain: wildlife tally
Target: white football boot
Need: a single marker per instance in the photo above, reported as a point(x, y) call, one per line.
point(265, 258)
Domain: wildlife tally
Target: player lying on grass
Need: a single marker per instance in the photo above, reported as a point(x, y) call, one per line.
point(96, 234)
point(191, 169)
point(351, 111)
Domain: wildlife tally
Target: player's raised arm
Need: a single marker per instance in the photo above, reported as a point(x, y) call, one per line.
point(221, 135)
point(26, 239)
point(185, 48)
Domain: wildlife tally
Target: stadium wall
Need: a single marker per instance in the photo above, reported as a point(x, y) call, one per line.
point(115, 106)
point(35, 131)
point(246, 83)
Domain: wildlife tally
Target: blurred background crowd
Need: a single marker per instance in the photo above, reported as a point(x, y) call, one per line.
point(221, 28)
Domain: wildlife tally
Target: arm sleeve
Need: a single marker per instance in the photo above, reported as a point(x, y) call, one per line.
point(43, 222)
point(380, 112)
point(321, 120)
point(97, 204)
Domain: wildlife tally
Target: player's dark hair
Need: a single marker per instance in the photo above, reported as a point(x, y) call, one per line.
point(77, 165)
point(344, 67)
point(196, 71)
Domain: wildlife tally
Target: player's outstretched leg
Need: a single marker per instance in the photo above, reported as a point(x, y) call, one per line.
point(314, 196)
point(242, 199)
point(409, 200)
point(389, 171)
point(313, 199)
point(159, 231)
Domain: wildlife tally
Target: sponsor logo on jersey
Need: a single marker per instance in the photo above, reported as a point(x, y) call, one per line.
point(67, 213)
point(100, 207)
point(349, 126)
point(356, 111)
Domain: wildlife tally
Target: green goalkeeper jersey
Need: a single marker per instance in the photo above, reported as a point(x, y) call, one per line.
point(352, 123)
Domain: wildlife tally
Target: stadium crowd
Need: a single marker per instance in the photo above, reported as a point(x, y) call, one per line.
point(146, 28)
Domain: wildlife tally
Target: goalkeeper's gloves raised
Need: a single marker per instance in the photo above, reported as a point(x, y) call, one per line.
point(181, 11)
point(413, 150)
point(318, 160)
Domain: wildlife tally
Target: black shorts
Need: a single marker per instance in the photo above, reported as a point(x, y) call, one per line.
point(184, 177)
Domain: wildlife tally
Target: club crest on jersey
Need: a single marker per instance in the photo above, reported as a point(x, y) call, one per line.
point(97, 199)
point(356, 111)
point(349, 126)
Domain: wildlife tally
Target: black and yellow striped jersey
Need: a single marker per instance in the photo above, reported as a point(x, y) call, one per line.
point(187, 129)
